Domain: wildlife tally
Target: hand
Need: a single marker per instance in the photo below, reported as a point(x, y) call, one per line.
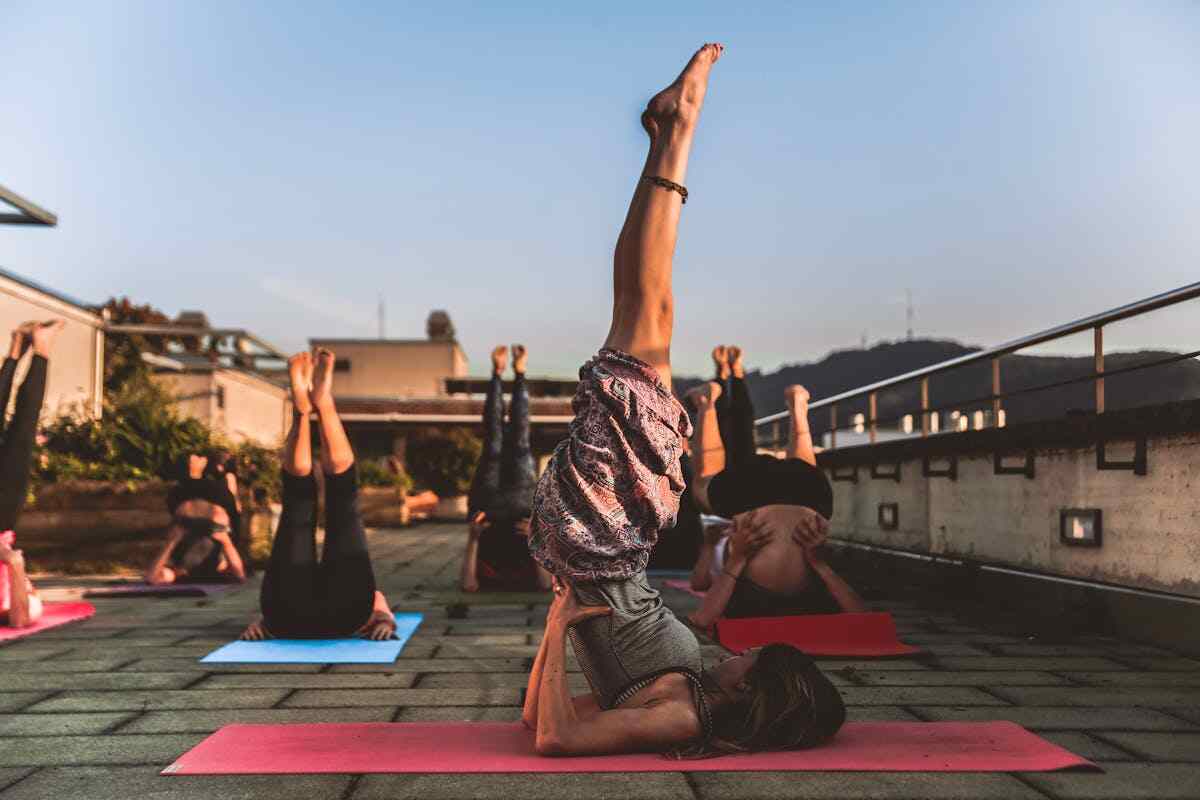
point(701, 622)
point(221, 537)
point(566, 610)
point(713, 534)
point(704, 395)
point(14, 558)
point(751, 532)
point(810, 530)
point(379, 627)
point(255, 632)
point(478, 524)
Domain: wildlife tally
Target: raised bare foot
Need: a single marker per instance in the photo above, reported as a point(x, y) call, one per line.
point(44, 335)
point(680, 102)
point(720, 357)
point(520, 358)
point(20, 339)
point(704, 395)
point(322, 384)
point(797, 398)
point(499, 359)
point(735, 361)
point(300, 371)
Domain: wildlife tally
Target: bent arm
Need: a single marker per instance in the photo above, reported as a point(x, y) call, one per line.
point(19, 612)
point(158, 572)
point(842, 592)
point(469, 577)
point(233, 558)
point(708, 452)
point(717, 598)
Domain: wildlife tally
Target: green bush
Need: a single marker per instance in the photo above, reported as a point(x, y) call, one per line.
point(376, 472)
point(444, 463)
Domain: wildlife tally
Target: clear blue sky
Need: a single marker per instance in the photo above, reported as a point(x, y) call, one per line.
point(281, 164)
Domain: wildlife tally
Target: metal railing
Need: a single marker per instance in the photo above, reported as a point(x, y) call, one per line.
point(1095, 323)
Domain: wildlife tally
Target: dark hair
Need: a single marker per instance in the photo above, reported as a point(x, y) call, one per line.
point(199, 554)
point(789, 705)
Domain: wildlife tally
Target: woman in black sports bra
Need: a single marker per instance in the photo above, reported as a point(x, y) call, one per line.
point(200, 543)
point(611, 486)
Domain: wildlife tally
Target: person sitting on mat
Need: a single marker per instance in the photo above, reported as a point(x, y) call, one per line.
point(497, 556)
point(335, 598)
point(20, 605)
point(780, 511)
point(611, 486)
point(200, 543)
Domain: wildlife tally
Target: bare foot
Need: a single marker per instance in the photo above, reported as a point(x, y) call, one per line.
point(20, 339)
point(322, 384)
point(735, 361)
point(720, 357)
point(520, 358)
point(679, 103)
point(300, 371)
point(499, 359)
point(797, 399)
point(44, 334)
point(704, 395)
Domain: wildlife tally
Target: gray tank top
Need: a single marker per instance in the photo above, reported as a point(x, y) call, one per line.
point(622, 653)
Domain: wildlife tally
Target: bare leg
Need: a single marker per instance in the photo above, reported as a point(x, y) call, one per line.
point(643, 305)
point(297, 449)
point(336, 454)
point(801, 446)
point(708, 451)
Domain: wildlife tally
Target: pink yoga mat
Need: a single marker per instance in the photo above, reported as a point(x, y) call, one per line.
point(683, 586)
point(53, 615)
point(872, 634)
point(468, 747)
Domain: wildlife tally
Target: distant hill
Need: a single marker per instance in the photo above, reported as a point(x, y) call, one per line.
point(843, 370)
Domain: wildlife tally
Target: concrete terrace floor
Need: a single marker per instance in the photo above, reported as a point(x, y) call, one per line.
point(94, 710)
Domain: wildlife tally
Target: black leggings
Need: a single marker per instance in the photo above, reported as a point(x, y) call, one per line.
point(506, 477)
point(16, 451)
point(304, 599)
point(735, 419)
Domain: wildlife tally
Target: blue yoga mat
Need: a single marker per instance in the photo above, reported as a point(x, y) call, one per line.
point(318, 651)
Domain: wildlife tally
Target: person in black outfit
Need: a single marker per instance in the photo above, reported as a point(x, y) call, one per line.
point(303, 598)
point(497, 554)
point(201, 542)
point(771, 563)
point(20, 605)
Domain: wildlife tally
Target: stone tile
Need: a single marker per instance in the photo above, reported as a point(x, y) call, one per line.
point(87, 651)
point(880, 714)
point(642, 786)
point(209, 721)
point(1057, 718)
point(10, 775)
point(1018, 663)
point(1154, 679)
point(859, 786)
point(1083, 696)
point(122, 783)
point(15, 701)
point(194, 665)
point(1090, 747)
point(59, 724)
point(1161, 746)
point(1190, 713)
point(387, 680)
point(45, 751)
point(459, 714)
point(336, 698)
point(1038, 650)
point(22, 651)
point(944, 678)
point(452, 649)
point(917, 695)
point(59, 681)
point(954, 650)
point(1121, 782)
point(500, 680)
point(490, 665)
point(1162, 663)
point(876, 664)
point(148, 700)
point(71, 665)
point(951, 638)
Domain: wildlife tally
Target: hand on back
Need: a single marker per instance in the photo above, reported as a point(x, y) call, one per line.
point(478, 524)
point(755, 529)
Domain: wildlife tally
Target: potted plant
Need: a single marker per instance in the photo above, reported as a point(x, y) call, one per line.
point(444, 463)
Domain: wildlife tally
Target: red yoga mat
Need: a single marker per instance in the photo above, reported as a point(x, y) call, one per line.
point(470, 747)
point(683, 586)
point(872, 634)
point(53, 615)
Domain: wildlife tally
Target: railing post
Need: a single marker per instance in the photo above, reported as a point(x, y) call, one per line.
point(776, 435)
point(833, 426)
point(1099, 356)
point(871, 416)
point(996, 392)
point(924, 407)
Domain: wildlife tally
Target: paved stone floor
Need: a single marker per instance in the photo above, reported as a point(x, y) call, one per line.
point(94, 710)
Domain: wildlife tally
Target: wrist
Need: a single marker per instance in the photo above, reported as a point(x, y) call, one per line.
point(734, 568)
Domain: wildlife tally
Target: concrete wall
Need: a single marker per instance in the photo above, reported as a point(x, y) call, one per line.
point(384, 368)
point(254, 408)
point(75, 382)
point(1151, 523)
